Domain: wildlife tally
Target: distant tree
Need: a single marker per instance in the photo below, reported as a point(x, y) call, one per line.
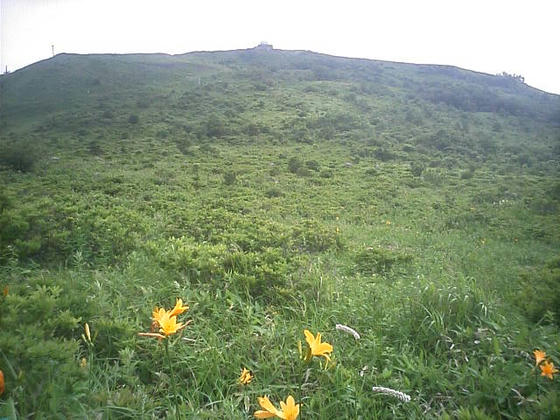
point(516, 77)
point(294, 164)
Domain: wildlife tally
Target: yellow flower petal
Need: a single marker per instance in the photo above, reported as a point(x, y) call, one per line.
point(547, 369)
point(309, 337)
point(179, 308)
point(324, 348)
point(539, 356)
point(246, 377)
point(169, 325)
point(269, 409)
point(158, 313)
point(290, 409)
point(260, 414)
point(316, 347)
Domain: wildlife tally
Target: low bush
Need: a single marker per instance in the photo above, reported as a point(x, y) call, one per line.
point(539, 292)
point(20, 156)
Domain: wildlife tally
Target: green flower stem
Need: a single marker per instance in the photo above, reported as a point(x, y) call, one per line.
point(538, 384)
point(173, 382)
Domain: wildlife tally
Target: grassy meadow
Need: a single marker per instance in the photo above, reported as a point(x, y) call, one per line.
point(276, 192)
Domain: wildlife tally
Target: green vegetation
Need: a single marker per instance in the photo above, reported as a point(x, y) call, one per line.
point(277, 191)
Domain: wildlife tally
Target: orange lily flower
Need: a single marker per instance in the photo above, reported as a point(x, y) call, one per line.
point(179, 308)
point(246, 377)
point(547, 369)
point(289, 409)
point(316, 347)
point(539, 356)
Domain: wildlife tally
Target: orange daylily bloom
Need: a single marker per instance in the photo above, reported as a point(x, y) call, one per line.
point(179, 308)
point(316, 347)
point(169, 325)
point(539, 356)
point(547, 369)
point(166, 321)
point(289, 409)
point(268, 409)
point(1, 382)
point(158, 313)
point(246, 377)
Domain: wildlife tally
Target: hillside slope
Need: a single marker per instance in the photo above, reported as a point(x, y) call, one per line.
point(276, 192)
point(317, 96)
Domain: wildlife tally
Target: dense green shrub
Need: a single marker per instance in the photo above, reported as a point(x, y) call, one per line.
point(215, 127)
point(274, 192)
point(184, 145)
point(468, 174)
point(416, 168)
point(384, 154)
point(539, 292)
point(313, 165)
point(378, 260)
point(313, 237)
point(19, 156)
point(294, 164)
point(230, 177)
point(18, 235)
point(326, 173)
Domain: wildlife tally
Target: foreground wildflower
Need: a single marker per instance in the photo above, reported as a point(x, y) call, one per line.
point(246, 377)
point(289, 409)
point(179, 308)
point(166, 321)
point(539, 356)
point(1, 382)
point(316, 347)
point(157, 314)
point(547, 369)
point(169, 325)
point(268, 409)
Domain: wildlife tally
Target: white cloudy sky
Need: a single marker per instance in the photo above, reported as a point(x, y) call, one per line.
point(492, 36)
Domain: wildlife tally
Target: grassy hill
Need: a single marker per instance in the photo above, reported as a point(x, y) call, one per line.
point(276, 191)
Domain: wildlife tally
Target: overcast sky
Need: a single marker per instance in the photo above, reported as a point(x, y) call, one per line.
point(491, 36)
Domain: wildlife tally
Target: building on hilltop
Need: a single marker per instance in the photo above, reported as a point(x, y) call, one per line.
point(264, 46)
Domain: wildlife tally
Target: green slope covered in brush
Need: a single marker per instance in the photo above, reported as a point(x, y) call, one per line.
point(276, 191)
